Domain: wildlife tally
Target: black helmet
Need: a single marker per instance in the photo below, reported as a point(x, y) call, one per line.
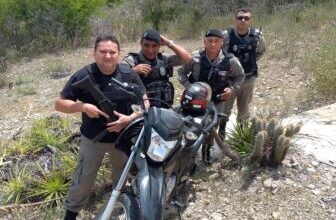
point(196, 98)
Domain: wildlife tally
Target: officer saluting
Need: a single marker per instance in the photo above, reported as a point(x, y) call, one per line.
point(221, 70)
point(155, 68)
point(248, 45)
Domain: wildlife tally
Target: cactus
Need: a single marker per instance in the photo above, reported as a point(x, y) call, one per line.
point(254, 121)
point(258, 126)
point(279, 149)
point(297, 127)
point(289, 131)
point(286, 147)
point(271, 140)
point(279, 130)
point(271, 126)
point(259, 144)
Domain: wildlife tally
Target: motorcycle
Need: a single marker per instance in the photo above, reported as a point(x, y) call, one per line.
point(162, 148)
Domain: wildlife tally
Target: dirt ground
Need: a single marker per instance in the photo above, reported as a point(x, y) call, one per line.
point(300, 189)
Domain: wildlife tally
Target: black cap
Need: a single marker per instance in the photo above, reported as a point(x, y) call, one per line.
point(214, 33)
point(151, 35)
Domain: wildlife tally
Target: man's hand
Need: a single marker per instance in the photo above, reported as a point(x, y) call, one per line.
point(120, 124)
point(92, 111)
point(142, 69)
point(227, 92)
point(164, 41)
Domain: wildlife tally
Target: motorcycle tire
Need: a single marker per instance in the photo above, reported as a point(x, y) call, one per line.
point(126, 208)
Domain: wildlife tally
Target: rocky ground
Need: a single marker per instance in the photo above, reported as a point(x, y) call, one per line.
point(302, 188)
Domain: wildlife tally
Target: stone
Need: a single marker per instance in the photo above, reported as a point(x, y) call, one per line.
point(268, 183)
point(275, 190)
point(214, 176)
point(289, 181)
point(276, 215)
point(216, 216)
point(311, 170)
point(316, 192)
point(311, 186)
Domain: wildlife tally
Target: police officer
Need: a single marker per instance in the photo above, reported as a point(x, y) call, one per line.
point(221, 70)
point(248, 44)
point(155, 68)
point(74, 100)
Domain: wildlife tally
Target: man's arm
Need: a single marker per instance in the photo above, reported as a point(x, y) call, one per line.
point(226, 40)
point(237, 74)
point(261, 45)
point(69, 106)
point(141, 69)
point(180, 51)
point(183, 72)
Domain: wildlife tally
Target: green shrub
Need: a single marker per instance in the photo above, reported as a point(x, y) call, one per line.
point(240, 138)
point(16, 188)
point(35, 26)
point(51, 187)
point(53, 131)
point(27, 89)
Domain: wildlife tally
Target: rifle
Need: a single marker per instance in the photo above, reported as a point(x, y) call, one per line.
point(103, 102)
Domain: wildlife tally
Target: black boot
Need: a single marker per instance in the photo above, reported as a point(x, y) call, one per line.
point(206, 157)
point(69, 215)
point(222, 127)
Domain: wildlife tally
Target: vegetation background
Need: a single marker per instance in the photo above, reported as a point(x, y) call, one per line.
point(299, 33)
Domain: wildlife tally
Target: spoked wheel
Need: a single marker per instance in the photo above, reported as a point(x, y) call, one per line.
point(119, 212)
point(126, 208)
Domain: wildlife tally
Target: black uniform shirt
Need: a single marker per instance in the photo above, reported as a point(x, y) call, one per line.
point(92, 126)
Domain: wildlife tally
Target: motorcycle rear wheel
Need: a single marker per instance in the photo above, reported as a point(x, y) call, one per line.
point(126, 208)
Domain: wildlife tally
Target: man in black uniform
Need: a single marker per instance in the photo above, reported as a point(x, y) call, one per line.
point(248, 45)
point(74, 100)
point(221, 70)
point(156, 68)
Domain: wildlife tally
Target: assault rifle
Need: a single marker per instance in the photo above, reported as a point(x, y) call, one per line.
point(104, 103)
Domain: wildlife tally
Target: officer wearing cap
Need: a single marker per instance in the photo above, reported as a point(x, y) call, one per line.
point(221, 70)
point(155, 68)
point(248, 45)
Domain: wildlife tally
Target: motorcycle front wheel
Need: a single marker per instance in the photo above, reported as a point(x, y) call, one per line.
point(126, 208)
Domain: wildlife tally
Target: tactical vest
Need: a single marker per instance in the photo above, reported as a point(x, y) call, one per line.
point(245, 50)
point(121, 99)
point(215, 75)
point(157, 81)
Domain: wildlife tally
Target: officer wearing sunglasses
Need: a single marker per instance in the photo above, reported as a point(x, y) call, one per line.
point(248, 45)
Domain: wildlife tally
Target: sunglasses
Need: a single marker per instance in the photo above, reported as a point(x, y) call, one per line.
point(246, 18)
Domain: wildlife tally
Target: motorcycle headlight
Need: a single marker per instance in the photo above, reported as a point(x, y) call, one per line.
point(159, 149)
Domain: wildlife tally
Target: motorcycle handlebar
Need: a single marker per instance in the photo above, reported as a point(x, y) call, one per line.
point(212, 108)
point(215, 119)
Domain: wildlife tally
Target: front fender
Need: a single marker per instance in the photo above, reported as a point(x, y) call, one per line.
point(150, 181)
